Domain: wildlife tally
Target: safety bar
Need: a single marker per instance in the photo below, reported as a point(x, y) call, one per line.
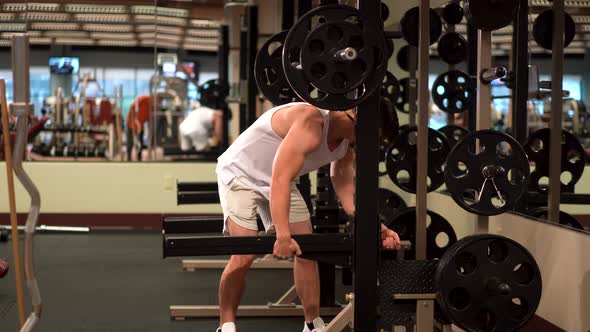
point(22, 109)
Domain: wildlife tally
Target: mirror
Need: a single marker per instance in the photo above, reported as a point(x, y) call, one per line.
point(576, 112)
point(114, 82)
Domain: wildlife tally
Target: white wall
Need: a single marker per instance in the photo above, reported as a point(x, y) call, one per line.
point(87, 187)
point(561, 253)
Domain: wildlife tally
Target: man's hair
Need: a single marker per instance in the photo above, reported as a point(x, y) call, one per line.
point(389, 121)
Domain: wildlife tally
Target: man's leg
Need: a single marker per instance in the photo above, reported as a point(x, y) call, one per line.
point(233, 279)
point(307, 278)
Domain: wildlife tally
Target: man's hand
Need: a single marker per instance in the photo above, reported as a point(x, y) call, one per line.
point(284, 248)
point(390, 239)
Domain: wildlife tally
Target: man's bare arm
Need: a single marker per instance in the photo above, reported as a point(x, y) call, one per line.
point(217, 127)
point(304, 136)
point(342, 175)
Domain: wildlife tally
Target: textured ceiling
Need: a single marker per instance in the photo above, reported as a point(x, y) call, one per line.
point(109, 25)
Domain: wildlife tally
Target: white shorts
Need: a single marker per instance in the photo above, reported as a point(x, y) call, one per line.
point(241, 204)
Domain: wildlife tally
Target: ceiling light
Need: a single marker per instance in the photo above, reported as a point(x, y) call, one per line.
point(7, 16)
point(108, 27)
point(12, 27)
point(123, 43)
point(83, 8)
point(202, 32)
point(146, 27)
point(169, 30)
point(102, 18)
point(14, 7)
point(41, 16)
point(163, 37)
point(41, 41)
point(204, 23)
point(55, 26)
point(74, 41)
point(114, 36)
point(197, 40)
point(66, 34)
point(200, 47)
point(174, 12)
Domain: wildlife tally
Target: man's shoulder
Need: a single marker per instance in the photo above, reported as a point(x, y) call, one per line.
point(306, 112)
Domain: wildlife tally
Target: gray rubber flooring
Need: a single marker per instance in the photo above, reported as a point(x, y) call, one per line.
point(119, 282)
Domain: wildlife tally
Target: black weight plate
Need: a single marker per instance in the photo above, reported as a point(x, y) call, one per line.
point(384, 12)
point(488, 283)
point(213, 94)
point(269, 74)
point(543, 29)
point(401, 103)
point(403, 128)
point(572, 159)
point(453, 13)
point(3, 236)
point(389, 48)
point(453, 92)
point(403, 58)
point(465, 179)
point(370, 44)
point(410, 27)
point(390, 87)
point(490, 15)
point(452, 48)
point(454, 134)
point(324, 69)
point(390, 204)
point(440, 235)
point(565, 218)
point(402, 157)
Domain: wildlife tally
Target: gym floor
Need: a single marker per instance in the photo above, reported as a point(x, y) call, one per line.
point(119, 282)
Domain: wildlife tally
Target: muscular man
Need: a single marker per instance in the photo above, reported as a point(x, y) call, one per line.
point(257, 174)
point(202, 128)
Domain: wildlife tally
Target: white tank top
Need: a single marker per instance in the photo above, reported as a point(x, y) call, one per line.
point(252, 154)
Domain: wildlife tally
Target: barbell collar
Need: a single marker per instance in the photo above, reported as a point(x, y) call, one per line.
point(492, 171)
point(494, 73)
point(347, 54)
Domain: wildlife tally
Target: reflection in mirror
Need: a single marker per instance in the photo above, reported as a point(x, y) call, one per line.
point(116, 81)
point(187, 102)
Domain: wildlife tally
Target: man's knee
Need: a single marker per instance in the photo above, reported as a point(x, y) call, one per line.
point(306, 263)
point(242, 262)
